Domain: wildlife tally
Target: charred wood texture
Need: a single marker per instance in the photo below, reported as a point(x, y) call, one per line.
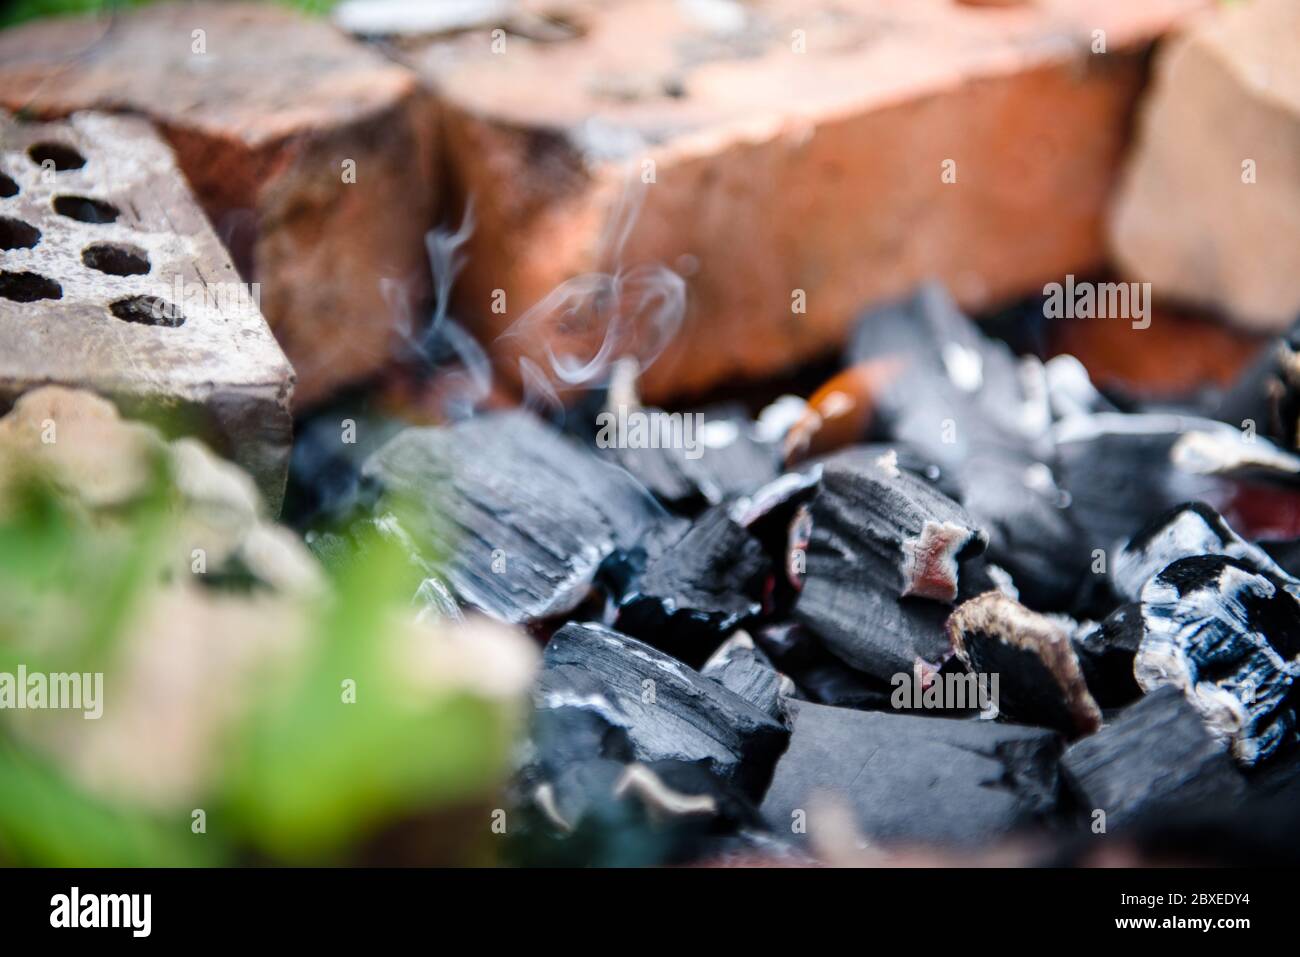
point(912, 779)
point(883, 565)
point(1156, 757)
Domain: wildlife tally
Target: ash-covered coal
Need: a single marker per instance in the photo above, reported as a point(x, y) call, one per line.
point(1228, 637)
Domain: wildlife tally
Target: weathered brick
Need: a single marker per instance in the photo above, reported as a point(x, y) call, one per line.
point(778, 171)
point(111, 279)
point(263, 121)
point(1209, 207)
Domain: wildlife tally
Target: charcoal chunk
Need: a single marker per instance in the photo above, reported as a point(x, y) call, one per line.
point(666, 709)
point(965, 402)
point(1039, 679)
point(1106, 654)
point(1187, 530)
point(725, 459)
point(817, 674)
point(742, 667)
point(1229, 638)
point(514, 516)
point(913, 779)
point(883, 563)
point(1156, 757)
point(697, 587)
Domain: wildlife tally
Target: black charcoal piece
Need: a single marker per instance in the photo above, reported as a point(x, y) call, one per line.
point(817, 674)
point(666, 709)
point(1156, 757)
point(696, 587)
point(692, 458)
point(913, 779)
point(1106, 653)
point(1229, 638)
point(1038, 678)
point(1268, 392)
point(966, 403)
point(883, 563)
point(516, 517)
point(775, 500)
point(1285, 553)
point(742, 667)
point(1186, 530)
point(1124, 471)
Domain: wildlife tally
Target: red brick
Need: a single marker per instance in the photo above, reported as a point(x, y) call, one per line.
point(778, 171)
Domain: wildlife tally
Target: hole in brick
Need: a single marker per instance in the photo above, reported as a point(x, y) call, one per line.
point(116, 259)
point(84, 209)
point(28, 287)
point(63, 157)
point(7, 186)
point(147, 311)
point(15, 234)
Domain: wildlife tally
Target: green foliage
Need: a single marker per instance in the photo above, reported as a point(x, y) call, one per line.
point(20, 11)
point(307, 775)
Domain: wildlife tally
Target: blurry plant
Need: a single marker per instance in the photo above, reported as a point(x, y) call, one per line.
point(19, 11)
point(305, 719)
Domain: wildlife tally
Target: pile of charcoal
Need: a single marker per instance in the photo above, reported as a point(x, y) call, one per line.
point(958, 600)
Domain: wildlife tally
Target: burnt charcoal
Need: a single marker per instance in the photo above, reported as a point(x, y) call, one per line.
point(666, 709)
point(914, 779)
point(774, 502)
point(1039, 679)
point(983, 416)
point(1125, 471)
point(696, 587)
point(741, 666)
point(602, 812)
point(817, 674)
point(883, 563)
point(1187, 530)
point(1229, 638)
point(1268, 392)
point(1285, 554)
point(516, 517)
point(722, 459)
point(1157, 757)
point(1106, 653)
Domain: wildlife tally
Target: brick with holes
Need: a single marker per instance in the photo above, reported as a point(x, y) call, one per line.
point(312, 155)
point(111, 279)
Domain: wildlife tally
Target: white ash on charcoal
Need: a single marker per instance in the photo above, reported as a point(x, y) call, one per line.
point(1228, 637)
point(741, 666)
point(984, 416)
point(1186, 530)
point(514, 516)
point(698, 583)
point(818, 675)
point(914, 779)
point(883, 564)
point(1040, 680)
point(1124, 471)
point(666, 709)
point(1106, 652)
point(1155, 758)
